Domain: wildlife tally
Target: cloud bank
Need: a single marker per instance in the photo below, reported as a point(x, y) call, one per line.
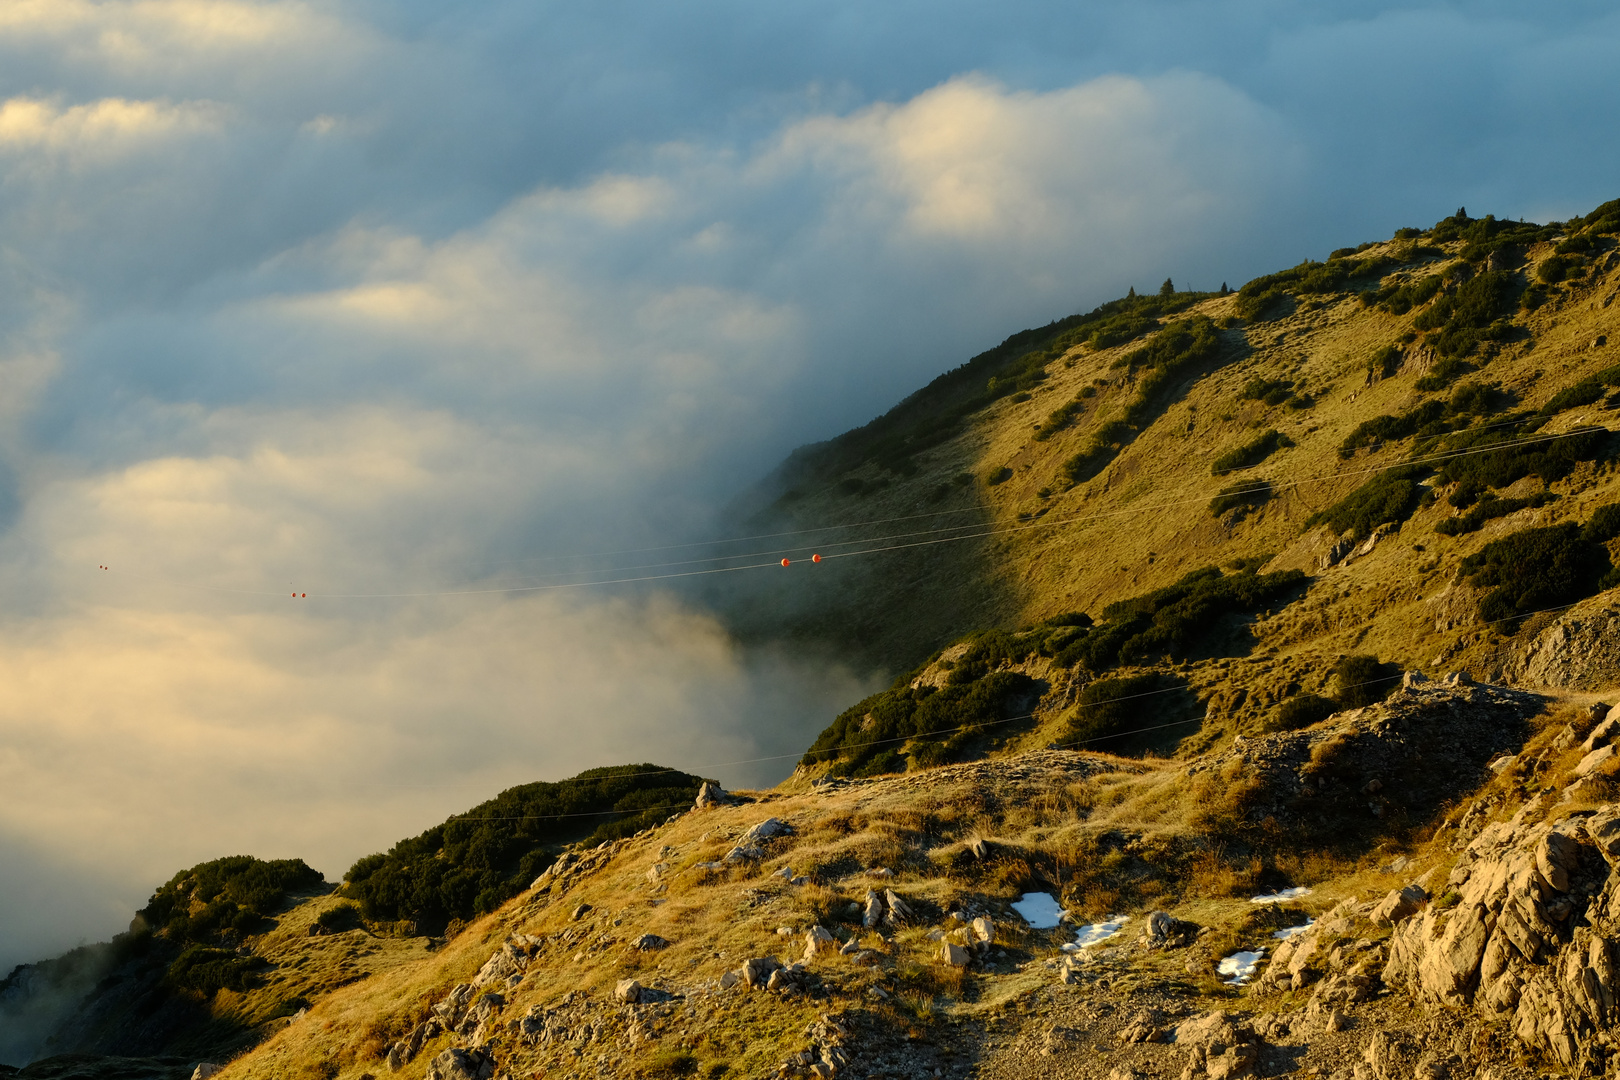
point(354, 298)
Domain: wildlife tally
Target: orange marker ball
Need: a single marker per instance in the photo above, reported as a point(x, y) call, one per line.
point(815, 558)
point(784, 562)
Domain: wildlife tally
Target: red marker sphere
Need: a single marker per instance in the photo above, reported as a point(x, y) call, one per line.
point(815, 558)
point(784, 562)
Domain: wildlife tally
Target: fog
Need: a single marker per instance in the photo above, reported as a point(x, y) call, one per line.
point(405, 307)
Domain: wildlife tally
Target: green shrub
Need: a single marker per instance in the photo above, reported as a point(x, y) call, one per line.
point(1386, 498)
point(1603, 525)
point(1550, 459)
point(338, 919)
point(1535, 570)
point(1399, 299)
point(1251, 453)
point(206, 971)
point(1303, 710)
point(1428, 419)
point(1245, 493)
point(1270, 391)
point(1476, 313)
point(1443, 374)
point(475, 861)
point(1487, 508)
point(934, 724)
point(1109, 710)
point(1556, 268)
point(235, 892)
point(1363, 680)
point(1061, 417)
point(1385, 362)
point(1173, 620)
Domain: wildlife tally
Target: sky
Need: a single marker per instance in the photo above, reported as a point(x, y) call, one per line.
point(407, 305)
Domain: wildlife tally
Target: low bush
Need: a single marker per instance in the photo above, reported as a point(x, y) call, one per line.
point(1431, 418)
point(1386, 498)
point(1385, 362)
point(1443, 374)
point(1110, 710)
point(1362, 680)
point(1246, 493)
point(1251, 453)
point(474, 862)
point(1398, 299)
point(931, 726)
point(1062, 416)
point(1270, 391)
point(230, 894)
point(1303, 710)
point(1515, 457)
point(206, 971)
point(1477, 312)
point(1536, 570)
point(1488, 507)
point(1175, 619)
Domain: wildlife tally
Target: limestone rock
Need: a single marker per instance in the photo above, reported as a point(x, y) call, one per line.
point(1219, 1046)
point(873, 912)
point(204, 1070)
point(953, 954)
point(1165, 931)
point(711, 794)
point(898, 912)
point(457, 1064)
point(628, 990)
point(757, 972)
point(1399, 904)
point(650, 943)
point(1595, 760)
point(818, 940)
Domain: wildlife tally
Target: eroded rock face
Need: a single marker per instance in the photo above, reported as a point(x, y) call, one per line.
point(1580, 651)
point(1531, 937)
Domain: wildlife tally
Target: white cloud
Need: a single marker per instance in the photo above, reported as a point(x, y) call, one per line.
point(100, 128)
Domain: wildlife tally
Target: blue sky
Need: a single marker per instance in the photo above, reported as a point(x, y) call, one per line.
point(392, 297)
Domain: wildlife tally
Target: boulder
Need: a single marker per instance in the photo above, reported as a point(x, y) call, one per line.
point(953, 954)
point(764, 830)
point(899, 913)
point(458, 1064)
point(628, 991)
point(711, 794)
point(1399, 904)
point(1165, 931)
point(204, 1070)
point(579, 912)
point(1604, 732)
point(1595, 760)
point(873, 912)
point(983, 931)
point(818, 940)
point(650, 943)
point(757, 972)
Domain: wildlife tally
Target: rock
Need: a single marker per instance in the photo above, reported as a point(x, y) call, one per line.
point(656, 871)
point(505, 962)
point(818, 940)
point(764, 830)
point(899, 913)
point(730, 979)
point(1164, 931)
point(1595, 760)
point(579, 912)
point(978, 849)
point(873, 912)
point(745, 853)
point(453, 1008)
point(983, 931)
point(204, 1070)
point(650, 943)
point(1604, 732)
point(757, 972)
point(628, 990)
point(1219, 1045)
point(1413, 679)
point(711, 794)
point(1060, 1040)
point(457, 1064)
point(881, 872)
point(851, 947)
point(953, 954)
point(1399, 904)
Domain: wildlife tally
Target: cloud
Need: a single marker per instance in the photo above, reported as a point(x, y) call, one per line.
point(372, 299)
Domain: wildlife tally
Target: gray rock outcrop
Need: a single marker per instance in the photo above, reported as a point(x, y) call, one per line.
point(1531, 937)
